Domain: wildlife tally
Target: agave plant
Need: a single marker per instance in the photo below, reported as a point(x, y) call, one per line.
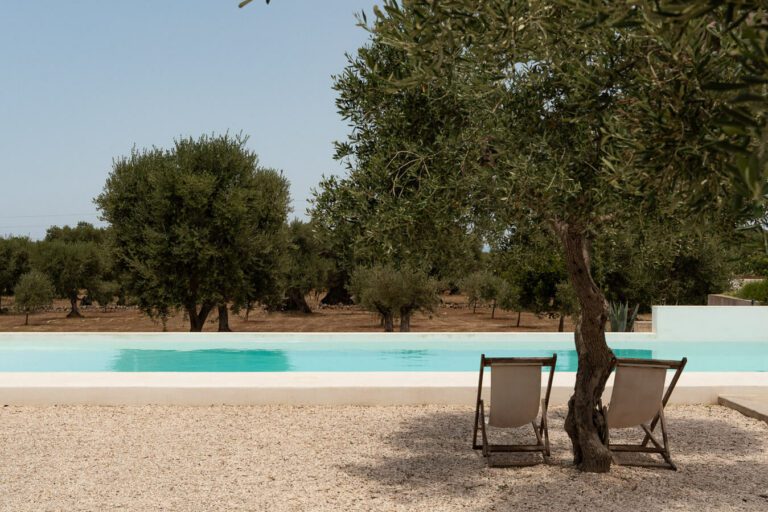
point(621, 316)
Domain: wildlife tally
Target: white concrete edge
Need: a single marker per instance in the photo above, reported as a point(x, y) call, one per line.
point(315, 388)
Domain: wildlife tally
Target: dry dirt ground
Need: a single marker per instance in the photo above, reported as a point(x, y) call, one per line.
point(454, 315)
point(279, 458)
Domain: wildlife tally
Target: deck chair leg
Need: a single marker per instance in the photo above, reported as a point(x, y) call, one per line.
point(665, 440)
point(476, 446)
point(486, 453)
point(545, 432)
point(649, 431)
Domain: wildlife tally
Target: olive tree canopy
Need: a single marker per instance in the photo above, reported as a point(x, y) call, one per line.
point(190, 225)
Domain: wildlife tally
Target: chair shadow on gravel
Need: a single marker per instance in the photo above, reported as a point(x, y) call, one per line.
point(432, 452)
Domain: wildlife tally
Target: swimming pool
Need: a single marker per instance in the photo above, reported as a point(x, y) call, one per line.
point(201, 353)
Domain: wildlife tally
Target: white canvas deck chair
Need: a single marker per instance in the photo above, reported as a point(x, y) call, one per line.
point(638, 400)
point(515, 401)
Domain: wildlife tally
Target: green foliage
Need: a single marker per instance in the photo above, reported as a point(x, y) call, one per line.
point(83, 232)
point(486, 287)
point(33, 293)
point(510, 297)
point(104, 292)
point(664, 263)
point(71, 266)
point(196, 226)
point(391, 206)
point(736, 129)
point(566, 301)
point(622, 318)
point(306, 268)
point(757, 264)
point(14, 262)
point(471, 287)
point(393, 292)
point(757, 291)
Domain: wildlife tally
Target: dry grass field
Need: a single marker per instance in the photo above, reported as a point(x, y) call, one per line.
point(453, 315)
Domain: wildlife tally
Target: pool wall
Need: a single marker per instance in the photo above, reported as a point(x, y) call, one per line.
point(670, 323)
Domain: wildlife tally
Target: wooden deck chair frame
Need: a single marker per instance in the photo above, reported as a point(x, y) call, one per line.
point(541, 431)
point(658, 447)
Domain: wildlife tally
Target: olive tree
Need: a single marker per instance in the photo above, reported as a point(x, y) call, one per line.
point(71, 267)
point(33, 293)
point(14, 262)
point(191, 226)
point(393, 293)
point(563, 126)
point(471, 287)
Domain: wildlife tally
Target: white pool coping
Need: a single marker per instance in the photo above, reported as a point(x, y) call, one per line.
point(312, 388)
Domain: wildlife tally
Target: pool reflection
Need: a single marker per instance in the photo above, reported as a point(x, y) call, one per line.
point(212, 360)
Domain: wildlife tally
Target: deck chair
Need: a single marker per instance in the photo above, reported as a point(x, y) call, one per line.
point(638, 400)
point(515, 401)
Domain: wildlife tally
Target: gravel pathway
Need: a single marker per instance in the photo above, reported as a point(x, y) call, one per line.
point(349, 458)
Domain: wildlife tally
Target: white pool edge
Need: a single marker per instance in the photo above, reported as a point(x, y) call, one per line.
point(312, 388)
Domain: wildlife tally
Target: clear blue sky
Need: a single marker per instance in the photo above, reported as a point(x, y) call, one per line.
point(83, 81)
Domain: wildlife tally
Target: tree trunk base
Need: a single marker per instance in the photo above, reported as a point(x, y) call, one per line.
point(74, 314)
point(405, 323)
point(337, 295)
point(297, 302)
point(224, 319)
point(389, 323)
point(589, 453)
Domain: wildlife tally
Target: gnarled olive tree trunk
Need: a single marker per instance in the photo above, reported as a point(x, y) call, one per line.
point(389, 322)
point(296, 301)
point(74, 311)
point(197, 318)
point(337, 290)
point(584, 423)
point(224, 318)
point(405, 319)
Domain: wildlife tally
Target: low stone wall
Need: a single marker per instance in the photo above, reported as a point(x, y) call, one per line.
point(716, 299)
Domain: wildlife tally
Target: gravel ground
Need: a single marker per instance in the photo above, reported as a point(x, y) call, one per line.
point(350, 458)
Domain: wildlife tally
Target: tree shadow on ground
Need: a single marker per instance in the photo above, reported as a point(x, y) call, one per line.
point(720, 466)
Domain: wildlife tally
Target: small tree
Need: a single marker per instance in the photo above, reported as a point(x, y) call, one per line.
point(33, 293)
point(391, 293)
point(491, 288)
point(419, 293)
point(471, 288)
point(70, 267)
point(510, 299)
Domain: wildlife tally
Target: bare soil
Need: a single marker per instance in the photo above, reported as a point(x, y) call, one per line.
point(452, 316)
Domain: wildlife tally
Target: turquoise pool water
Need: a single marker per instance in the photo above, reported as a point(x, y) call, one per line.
point(110, 355)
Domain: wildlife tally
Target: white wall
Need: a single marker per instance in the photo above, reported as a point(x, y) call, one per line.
point(710, 323)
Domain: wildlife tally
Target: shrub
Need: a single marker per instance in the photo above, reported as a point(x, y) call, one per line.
point(757, 290)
